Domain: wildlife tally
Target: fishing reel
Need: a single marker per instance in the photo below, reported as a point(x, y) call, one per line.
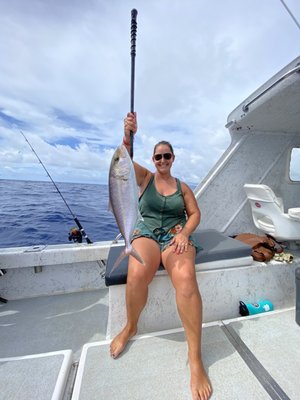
point(75, 235)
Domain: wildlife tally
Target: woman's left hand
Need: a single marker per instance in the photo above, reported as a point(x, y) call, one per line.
point(180, 243)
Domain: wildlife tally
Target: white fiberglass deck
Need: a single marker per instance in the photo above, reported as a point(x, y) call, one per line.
point(38, 376)
point(155, 367)
point(237, 353)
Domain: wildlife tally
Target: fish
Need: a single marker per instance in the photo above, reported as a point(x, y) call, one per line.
point(124, 200)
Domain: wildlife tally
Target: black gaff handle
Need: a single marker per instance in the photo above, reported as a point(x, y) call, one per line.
point(132, 53)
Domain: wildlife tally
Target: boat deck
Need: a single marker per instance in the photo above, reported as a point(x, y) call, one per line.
point(246, 358)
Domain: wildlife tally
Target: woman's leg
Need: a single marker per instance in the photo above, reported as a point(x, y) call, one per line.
point(181, 269)
point(138, 278)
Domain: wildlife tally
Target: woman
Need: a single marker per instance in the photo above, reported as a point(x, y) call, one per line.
point(170, 214)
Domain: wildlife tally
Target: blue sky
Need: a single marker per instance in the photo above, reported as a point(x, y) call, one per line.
point(65, 79)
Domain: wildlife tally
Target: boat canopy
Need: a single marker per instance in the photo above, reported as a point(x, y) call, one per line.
point(274, 107)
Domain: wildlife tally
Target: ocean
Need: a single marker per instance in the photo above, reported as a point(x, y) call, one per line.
point(33, 213)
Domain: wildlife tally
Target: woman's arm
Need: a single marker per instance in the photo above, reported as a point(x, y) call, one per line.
point(192, 210)
point(181, 240)
point(142, 174)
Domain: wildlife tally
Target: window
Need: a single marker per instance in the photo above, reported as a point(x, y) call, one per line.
point(295, 164)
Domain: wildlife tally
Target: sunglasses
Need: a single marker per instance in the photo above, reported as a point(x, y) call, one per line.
point(166, 156)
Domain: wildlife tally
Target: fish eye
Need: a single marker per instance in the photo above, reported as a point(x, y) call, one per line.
point(117, 158)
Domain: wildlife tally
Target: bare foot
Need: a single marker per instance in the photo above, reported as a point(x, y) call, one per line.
point(119, 342)
point(200, 384)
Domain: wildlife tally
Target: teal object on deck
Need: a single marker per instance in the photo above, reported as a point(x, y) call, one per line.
point(255, 308)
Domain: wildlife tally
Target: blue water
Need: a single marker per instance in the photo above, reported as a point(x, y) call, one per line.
point(33, 213)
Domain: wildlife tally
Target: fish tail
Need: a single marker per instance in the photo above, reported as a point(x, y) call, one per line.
point(126, 252)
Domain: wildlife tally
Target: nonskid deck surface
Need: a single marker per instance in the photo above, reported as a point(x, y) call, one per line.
point(41, 376)
point(270, 344)
point(51, 323)
point(157, 368)
point(236, 353)
point(256, 358)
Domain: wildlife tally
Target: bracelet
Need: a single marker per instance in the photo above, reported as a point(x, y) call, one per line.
point(125, 143)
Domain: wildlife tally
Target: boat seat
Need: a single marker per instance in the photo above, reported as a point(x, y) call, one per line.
point(215, 246)
point(268, 213)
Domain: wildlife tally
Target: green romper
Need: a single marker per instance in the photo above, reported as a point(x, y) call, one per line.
point(163, 216)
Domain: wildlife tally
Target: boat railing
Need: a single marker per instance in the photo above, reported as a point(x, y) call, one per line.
point(245, 107)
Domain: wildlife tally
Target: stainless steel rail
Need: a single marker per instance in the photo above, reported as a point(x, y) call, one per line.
point(245, 107)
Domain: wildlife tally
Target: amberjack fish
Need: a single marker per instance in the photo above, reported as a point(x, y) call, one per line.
point(123, 199)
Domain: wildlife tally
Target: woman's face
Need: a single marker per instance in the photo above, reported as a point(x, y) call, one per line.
point(163, 158)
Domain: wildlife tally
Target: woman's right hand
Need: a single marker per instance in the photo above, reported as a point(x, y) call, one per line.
point(130, 125)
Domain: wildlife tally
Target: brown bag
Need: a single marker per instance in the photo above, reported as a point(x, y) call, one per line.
point(263, 247)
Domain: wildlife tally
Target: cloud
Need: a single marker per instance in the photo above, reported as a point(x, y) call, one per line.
point(65, 79)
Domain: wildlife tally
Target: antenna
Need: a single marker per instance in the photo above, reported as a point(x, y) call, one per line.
point(290, 12)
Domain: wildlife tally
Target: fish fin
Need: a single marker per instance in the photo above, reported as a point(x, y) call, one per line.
point(136, 255)
point(118, 237)
point(126, 252)
point(140, 218)
point(118, 261)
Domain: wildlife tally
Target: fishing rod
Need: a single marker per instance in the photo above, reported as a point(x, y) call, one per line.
point(133, 53)
point(81, 230)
